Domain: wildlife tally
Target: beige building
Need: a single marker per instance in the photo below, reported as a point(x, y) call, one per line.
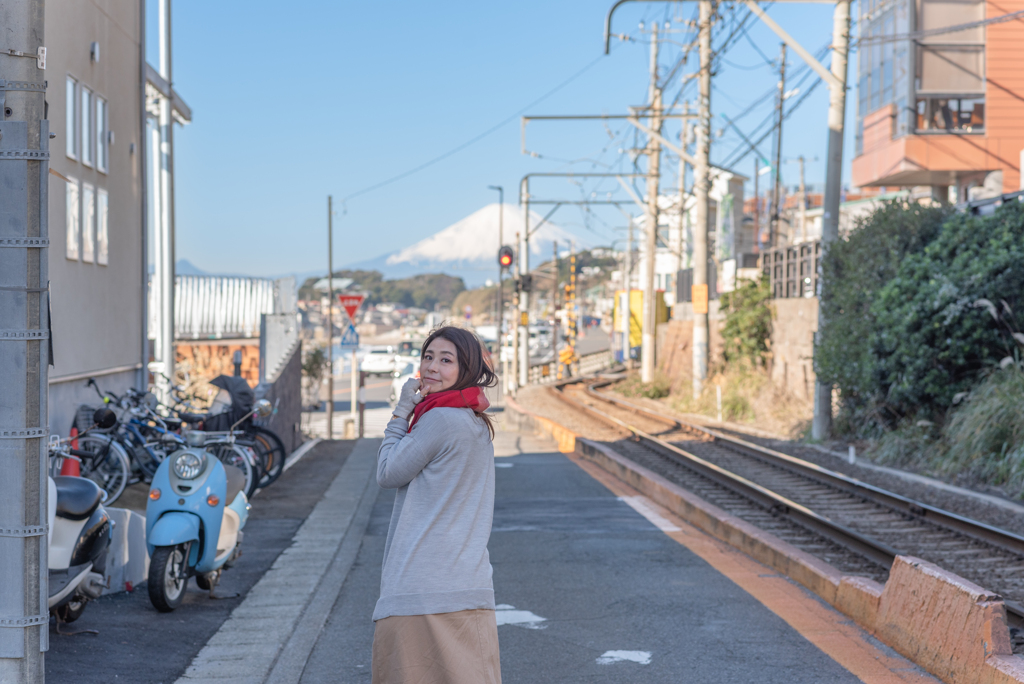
point(111, 192)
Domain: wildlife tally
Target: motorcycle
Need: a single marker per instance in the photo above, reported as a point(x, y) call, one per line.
point(78, 537)
point(194, 518)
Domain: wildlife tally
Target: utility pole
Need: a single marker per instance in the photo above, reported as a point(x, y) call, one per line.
point(822, 422)
point(24, 349)
point(757, 203)
point(684, 141)
point(330, 319)
point(570, 308)
point(649, 337)
point(525, 285)
point(777, 187)
point(501, 243)
point(701, 184)
point(803, 201)
point(554, 277)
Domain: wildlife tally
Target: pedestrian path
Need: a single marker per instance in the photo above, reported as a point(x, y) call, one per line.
point(375, 419)
point(596, 582)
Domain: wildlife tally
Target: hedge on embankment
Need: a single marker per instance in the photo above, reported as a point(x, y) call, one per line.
point(918, 306)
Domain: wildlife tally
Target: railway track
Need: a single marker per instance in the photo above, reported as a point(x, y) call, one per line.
point(856, 527)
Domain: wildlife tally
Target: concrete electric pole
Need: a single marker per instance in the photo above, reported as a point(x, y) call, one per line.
point(773, 239)
point(501, 243)
point(822, 422)
point(701, 186)
point(24, 350)
point(649, 337)
point(330, 319)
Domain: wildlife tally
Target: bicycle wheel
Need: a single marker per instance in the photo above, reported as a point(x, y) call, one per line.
point(270, 449)
point(240, 457)
point(108, 467)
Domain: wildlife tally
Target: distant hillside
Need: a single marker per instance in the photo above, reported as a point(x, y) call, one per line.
point(426, 290)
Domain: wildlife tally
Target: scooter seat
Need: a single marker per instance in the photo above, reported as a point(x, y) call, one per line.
point(77, 497)
point(236, 481)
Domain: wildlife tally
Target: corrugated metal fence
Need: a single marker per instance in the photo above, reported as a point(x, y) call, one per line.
point(212, 307)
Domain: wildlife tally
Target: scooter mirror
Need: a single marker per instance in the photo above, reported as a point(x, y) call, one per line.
point(104, 418)
point(264, 408)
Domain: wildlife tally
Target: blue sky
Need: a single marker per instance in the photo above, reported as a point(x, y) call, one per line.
point(292, 103)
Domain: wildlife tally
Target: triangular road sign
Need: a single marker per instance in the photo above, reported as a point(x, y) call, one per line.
point(351, 303)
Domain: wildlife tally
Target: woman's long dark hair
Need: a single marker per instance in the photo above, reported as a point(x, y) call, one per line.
point(474, 371)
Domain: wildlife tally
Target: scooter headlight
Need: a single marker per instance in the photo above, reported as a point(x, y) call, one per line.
point(188, 465)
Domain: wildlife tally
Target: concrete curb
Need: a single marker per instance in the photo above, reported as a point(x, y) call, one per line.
point(954, 629)
point(259, 633)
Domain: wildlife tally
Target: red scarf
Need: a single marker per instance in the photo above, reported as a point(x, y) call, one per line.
point(471, 397)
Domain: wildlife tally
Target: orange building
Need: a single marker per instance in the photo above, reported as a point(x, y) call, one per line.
point(938, 108)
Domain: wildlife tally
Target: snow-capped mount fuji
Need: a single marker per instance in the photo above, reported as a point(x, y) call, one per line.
point(469, 247)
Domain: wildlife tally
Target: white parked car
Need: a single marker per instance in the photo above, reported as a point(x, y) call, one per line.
point(379, 361)
point(401, 374)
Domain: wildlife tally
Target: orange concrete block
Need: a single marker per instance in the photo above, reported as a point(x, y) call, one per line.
point(859, 597)
point(1002, 669)
point(942, 622)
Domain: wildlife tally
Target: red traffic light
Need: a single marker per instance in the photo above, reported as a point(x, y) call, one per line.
point(505, 256)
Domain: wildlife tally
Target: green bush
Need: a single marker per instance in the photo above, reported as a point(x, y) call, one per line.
point(930, 342)
point(748, 322)
point(854, 270)
point(985, 434)
point(660, 388)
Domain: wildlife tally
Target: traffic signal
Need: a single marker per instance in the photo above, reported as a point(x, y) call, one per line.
point(525, 283)
point(505, 256)
point(567, 355)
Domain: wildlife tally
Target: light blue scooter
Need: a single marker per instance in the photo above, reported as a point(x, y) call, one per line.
point(194, 520)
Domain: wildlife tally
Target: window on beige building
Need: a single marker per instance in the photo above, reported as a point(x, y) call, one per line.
point(88, 223)
point(88, 155)
point(71, 214)
point(101, 134)
point(102, 212)
point(71, 121)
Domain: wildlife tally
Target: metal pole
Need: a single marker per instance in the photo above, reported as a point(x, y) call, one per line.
point(757, 203)
point(649, 337)
point(362, 404)
point(627, 308)
point(777, 184)
point(514, 377)
point(524, 295)
point(24, 352)
point(822, 422)
point(354, 387)
point(501, 243)
point(701, 185)
point(570, 308)
point(803, 201)
point(684, 141)
point(330, 317)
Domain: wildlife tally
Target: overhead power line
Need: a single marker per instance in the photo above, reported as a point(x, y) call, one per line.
point(471, 141)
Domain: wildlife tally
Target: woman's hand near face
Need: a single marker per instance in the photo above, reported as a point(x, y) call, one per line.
point(408, 399)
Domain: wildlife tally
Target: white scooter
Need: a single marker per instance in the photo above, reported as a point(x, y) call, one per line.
point(78, 536)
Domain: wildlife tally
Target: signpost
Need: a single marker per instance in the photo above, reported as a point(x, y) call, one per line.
point(350, 342)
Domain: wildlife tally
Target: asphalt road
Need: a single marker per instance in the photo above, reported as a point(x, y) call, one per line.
point(591, 592)
point(139, 645)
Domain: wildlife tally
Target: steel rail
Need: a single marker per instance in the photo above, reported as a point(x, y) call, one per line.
point(877, 551)
point(994, 536)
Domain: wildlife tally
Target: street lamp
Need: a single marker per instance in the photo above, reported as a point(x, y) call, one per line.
point(501, 243)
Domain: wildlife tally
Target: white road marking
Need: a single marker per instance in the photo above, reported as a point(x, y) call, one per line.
point(642, 505)
point(508, 615)
point(502, 465)
point(640, 657)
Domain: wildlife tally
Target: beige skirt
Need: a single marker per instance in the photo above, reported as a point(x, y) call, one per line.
point(448, 648)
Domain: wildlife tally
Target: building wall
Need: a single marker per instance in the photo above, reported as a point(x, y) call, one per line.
point(794, 323)
point(96, 310)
